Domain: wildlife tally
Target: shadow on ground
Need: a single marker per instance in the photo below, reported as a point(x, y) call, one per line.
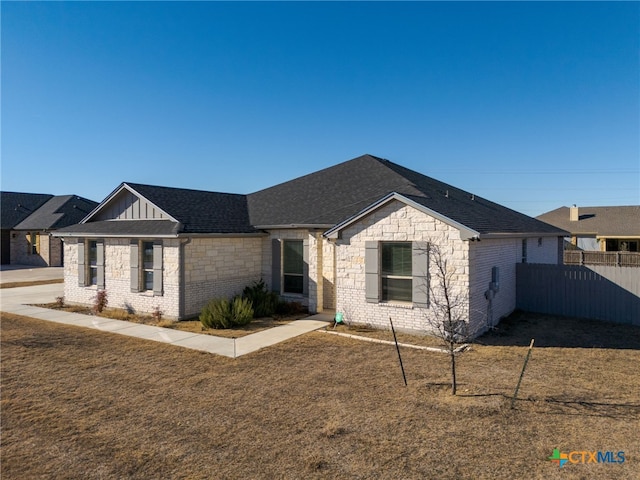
point(552, 331)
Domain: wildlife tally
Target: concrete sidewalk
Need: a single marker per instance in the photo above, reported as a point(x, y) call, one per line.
point(18, 300)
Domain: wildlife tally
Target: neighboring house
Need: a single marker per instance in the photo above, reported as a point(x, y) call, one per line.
point(605, 229)
point(28, 219)
point(350, 238)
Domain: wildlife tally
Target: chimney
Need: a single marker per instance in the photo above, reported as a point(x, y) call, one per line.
point(573, 213)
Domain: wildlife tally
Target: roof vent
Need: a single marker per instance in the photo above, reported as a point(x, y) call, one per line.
point(573, 213)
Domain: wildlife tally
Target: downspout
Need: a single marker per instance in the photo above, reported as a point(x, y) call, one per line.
point(182, 287)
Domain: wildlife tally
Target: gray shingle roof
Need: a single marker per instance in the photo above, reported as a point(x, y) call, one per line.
point(603, 221)
point(326, 198)
point(332, 195)
point(15, 206)
point(200, 211)
point(58, 212)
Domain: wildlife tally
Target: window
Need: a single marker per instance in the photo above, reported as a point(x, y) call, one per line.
point(524, 250)
point(147, 265)
point(397, 271)
point(293, 266)
point(34, 244)
point(90, 263)
point(396, 275)
point(93, 263)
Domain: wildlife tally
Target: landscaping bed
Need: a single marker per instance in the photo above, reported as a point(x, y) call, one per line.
point(194, 326)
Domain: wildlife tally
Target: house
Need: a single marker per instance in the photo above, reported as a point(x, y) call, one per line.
point(350, 238)
point(28, 220)
point(605, 229)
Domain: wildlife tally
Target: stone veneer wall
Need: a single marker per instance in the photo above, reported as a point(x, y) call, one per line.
point(117, 278)
point(219, 267)
point(392, 222)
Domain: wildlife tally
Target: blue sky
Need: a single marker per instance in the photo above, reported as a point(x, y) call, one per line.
point(532, 105)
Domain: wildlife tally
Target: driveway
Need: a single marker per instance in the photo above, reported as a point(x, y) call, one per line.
point(27, 273)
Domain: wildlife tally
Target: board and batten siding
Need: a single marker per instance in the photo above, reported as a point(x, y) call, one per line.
point(127, 206)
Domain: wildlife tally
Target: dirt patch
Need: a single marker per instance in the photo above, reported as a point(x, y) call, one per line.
point(78, 403)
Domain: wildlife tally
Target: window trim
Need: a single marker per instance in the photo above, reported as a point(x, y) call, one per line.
point(384, 296)
point(137, 267)
point(85, 278)
point(419, 274)
point(285, 274)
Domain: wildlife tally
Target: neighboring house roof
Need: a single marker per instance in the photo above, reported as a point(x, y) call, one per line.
point(321, 199)
point(16, 207)
point(58, 212)
point(621, 221)
point(335, 194)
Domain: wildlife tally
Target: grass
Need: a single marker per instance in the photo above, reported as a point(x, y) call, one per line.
point(30, 283)
point(78, 403)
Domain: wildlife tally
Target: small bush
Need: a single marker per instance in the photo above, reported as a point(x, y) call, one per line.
point(264, 302)
point(222, 313)
point(100, 301)
point(60, 302)
point(242, 311)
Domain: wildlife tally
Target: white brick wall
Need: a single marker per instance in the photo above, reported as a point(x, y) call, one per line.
point(219, 267)
point(213, 267)
point(117, 279)
point(505, 254)
point(393, 222)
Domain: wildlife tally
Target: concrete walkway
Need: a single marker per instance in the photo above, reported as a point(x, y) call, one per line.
point(18, 300)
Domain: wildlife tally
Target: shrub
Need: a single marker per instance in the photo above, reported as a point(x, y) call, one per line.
point(242, 311)
point(100, 301)
point(264, 302)
point(222, 313)
point(60, 302)
point(290, 308)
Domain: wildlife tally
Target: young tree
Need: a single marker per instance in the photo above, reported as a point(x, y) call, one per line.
point(448, 306)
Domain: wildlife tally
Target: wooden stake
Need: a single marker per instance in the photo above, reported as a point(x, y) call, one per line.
point(404, 377)
point(526, 360)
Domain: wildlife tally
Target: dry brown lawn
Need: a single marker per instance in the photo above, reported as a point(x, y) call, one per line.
point(78, 403)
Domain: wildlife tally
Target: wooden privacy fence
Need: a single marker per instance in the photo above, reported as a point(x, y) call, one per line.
point(586, 257)
point(597, 292)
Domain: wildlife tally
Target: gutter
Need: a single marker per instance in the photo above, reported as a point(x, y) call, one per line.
point(311, 226)
point(496, 235)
